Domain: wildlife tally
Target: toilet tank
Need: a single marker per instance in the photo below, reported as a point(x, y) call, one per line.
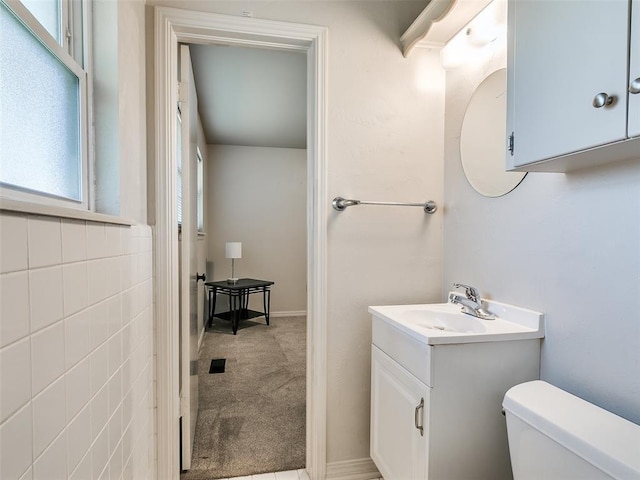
point(555, 435)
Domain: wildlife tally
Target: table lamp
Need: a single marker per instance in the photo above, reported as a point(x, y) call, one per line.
point(233, 250)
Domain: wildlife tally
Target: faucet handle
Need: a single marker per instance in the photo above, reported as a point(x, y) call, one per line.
point(471, 292)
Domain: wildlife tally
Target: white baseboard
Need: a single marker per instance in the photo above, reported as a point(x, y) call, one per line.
point(298, 313)
point(359, 469)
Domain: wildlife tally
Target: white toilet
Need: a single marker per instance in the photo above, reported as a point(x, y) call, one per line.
point(554, 435)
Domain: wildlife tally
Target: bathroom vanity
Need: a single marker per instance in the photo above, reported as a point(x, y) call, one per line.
point(437, 382)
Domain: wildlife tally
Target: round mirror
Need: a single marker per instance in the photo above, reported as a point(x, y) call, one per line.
point(483, 138)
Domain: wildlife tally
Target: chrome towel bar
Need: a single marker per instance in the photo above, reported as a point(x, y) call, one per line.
point(340, 204)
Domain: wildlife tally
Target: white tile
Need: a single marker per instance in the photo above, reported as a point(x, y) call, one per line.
point(45, 296)
point(287, 475)
point(45, 242)
point(115, 392)
point(76, 292)
point(97, 280)
point(127, 241)
point(99, 361)
point(28, 475)
point(115, 430)
point(127, 402)
point(114, 240)
point(116, 463)
point(114, 313)
point(99, 411)
point(47, 355)
point(78, 387)
point(264, 476)
point(114, 275)
point(99, 454)
point(96, 240)
point(78, 438)
point(98, 320)
point(126, 271)
point(52, 464)
point(127, 442)
point(74, 240)
point(16, 444)
point(303, 474)
point(14, 254)
point(83, 470)
point(49, 415)
point(77, 337)
point(14, 307)
point(127, 306)
point(115, 353)
point(15, 378)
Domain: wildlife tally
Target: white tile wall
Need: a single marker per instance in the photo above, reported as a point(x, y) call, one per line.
point(76, 350)
point(14, 306)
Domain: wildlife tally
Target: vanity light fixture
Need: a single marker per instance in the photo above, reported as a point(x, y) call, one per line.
point(487, 27)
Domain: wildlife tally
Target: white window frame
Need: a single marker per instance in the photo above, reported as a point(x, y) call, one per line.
point(81, 68)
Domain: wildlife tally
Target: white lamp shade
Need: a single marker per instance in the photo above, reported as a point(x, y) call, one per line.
point(233, 250)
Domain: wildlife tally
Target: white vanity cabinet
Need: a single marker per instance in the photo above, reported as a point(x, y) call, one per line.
point(399, 405)
point(572, 67)
point(436, 409)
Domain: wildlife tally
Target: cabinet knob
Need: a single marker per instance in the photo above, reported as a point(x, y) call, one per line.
point(603, 100)
point(634, 86)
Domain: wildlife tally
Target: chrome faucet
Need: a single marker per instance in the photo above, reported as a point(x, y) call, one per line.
point(471, 303)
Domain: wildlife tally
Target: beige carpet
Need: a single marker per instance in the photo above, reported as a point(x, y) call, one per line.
point(252, 416)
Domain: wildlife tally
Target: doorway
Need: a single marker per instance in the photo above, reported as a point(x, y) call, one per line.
point(173, 26)
point(252, 106)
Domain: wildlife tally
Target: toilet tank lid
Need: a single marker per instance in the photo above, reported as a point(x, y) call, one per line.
point(602, 438)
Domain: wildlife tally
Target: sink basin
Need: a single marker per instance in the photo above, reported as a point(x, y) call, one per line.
point(440, 317)
point(440, 323)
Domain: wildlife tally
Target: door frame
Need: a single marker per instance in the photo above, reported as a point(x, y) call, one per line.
point(173, 26)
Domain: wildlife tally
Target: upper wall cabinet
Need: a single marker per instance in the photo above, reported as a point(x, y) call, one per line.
point(573, 84)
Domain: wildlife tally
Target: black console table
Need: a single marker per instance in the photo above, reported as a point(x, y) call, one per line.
point(239, 299)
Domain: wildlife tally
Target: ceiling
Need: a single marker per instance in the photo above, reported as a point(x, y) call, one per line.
point(251, 96)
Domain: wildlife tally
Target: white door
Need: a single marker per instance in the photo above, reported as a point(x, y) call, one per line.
point(399, 407)
point(634, 71)
point(562, 55)
point(188, 114)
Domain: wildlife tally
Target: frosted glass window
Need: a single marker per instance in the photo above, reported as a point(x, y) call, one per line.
point(47, 12)
point(39, 115)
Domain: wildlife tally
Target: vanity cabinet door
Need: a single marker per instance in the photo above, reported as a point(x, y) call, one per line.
point(634, 71)
point(566, 61)
point(399, 407)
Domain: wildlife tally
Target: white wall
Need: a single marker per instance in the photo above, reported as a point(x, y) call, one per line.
point(76, 350)
point(258, 196)
point(385, 137)
point(565, 244)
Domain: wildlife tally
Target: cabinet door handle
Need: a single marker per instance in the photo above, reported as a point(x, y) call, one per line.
point(417, 418)
point(634, 86)
point(603, 100)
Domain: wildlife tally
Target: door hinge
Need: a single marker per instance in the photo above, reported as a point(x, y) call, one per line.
point(184, 404)
point(510, 142)
point(182, 93)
